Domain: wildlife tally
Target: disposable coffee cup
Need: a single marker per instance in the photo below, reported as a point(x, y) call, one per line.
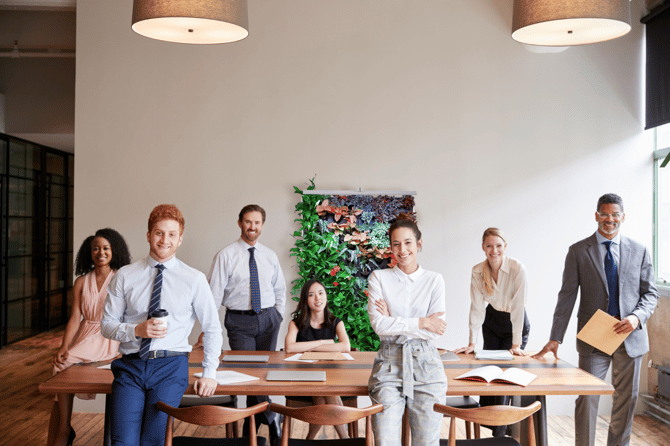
point(160, 315)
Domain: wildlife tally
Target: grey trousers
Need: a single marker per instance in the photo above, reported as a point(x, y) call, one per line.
point(258, 332)
point(407, 375)
point(626, 382)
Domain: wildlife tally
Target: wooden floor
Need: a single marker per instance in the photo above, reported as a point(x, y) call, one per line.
point(24, 415)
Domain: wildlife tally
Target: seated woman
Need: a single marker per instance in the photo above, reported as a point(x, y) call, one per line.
point(314, 329)
point(99, 257)
point(498, 298)
point(406, 308)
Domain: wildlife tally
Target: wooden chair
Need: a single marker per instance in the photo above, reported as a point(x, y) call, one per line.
point(328, 415)
point(491, 416)
point(212, 416)
point(305, 401)
point(461, 402)
point(232, 429)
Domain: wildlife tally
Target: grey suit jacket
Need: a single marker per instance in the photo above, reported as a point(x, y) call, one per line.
point(585, 271)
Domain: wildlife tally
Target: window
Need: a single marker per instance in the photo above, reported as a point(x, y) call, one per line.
point(662, 206)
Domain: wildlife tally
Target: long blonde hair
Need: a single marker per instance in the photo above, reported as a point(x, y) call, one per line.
point(487, 273)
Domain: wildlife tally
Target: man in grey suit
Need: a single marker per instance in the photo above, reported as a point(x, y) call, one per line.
point(614, 274)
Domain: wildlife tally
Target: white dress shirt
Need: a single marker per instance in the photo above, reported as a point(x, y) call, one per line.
point(229, 277)
point(509, 295)
point(408, 298)
point(185, 294)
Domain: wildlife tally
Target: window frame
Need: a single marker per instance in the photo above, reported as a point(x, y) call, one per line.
point(660, 154)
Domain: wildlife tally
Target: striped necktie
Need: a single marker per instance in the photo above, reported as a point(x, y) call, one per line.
point(153, 305)
point(253, 283)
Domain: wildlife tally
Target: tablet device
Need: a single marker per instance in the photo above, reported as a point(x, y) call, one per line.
point(245, 358)
point(296, 375)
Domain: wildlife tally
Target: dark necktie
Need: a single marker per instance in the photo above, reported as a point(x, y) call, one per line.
point(612, 274)
point(253, 283)
point(153, 305)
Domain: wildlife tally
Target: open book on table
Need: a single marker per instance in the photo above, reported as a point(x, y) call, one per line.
point(494, 374)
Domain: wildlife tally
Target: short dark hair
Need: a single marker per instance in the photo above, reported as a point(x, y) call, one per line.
point(251, 208)
point(405, 221)
point(120, 253)
point(610, 199)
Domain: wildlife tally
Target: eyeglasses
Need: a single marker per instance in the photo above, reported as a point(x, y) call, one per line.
point(615, 216)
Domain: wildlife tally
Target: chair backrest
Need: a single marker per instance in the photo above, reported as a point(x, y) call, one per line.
point(326, 414)
point(208, 415)
point(491, 416)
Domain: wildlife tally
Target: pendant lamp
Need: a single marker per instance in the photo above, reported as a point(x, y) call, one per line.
point(569, 22)
point(191, 21)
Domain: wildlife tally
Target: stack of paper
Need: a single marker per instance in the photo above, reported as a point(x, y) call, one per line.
point(494, 355)
point(229, 377)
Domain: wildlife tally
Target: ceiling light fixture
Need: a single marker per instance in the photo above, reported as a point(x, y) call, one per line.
point(569, 22)
point(191, 21)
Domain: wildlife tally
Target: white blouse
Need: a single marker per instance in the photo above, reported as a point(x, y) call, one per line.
point(408, 297)
point(509, 295)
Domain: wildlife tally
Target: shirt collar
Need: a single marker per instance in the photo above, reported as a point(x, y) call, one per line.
point(505, 266)
point(413, 277)
point(169, 264)
point(616, 240)
point(244, 245)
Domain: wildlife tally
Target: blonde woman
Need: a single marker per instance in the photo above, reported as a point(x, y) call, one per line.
point(498, 298)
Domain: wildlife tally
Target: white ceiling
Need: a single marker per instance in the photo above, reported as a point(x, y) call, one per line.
point(57, 141)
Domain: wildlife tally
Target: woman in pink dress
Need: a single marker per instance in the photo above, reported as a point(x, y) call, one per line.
point(98, 259)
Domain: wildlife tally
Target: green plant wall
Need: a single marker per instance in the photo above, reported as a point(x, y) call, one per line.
point(341, 240)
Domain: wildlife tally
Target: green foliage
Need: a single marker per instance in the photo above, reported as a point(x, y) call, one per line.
point(324, 255)
point(379, 235)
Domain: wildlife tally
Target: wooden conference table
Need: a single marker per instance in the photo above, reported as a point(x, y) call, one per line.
point(554, 377)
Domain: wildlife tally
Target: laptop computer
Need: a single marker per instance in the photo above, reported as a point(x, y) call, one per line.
point(449, 356)
point(245, 358)
point(296, 375)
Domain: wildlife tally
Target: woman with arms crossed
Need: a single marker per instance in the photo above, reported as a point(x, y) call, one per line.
point(314, 329)
point(406, 308)
point(97, 260)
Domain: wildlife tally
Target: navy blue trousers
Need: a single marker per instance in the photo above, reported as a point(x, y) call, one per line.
point(138, 385)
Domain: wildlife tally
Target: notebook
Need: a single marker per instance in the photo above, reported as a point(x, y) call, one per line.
point(245, 358)
point(296, 375)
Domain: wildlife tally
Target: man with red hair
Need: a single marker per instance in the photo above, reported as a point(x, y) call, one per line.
point(154, 365)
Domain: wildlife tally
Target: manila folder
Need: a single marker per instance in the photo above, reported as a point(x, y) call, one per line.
point(598, 333)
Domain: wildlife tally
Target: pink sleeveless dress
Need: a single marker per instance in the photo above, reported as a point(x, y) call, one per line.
point(88, 344)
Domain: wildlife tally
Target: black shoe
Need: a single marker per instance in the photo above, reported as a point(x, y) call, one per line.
point(71, 437)
point(275, 430)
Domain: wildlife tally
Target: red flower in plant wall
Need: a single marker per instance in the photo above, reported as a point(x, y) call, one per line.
point(335, 283)
point(334, 270)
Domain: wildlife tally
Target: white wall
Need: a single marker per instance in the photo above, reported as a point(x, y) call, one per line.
point(380, 94)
